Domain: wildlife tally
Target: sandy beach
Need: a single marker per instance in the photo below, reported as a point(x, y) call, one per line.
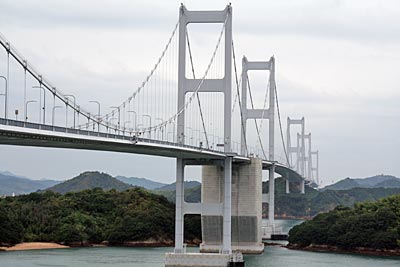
point(33, 245)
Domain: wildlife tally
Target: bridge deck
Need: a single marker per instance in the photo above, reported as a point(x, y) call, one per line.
point(38, 135)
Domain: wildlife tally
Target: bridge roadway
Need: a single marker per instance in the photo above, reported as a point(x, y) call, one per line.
point(13, 132)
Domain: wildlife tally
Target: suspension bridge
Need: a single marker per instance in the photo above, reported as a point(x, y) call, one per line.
point(199, 117)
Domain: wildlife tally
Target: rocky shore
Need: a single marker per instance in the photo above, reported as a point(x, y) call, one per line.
point(358, 250)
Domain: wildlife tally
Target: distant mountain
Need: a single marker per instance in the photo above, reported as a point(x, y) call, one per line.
point(374, 180)
point(386, 181)
point(142, 182)
point(90, 180)
point(10, 183)
point(7, 173)
point(172, 187)
point(344, 184)
point(393, 183)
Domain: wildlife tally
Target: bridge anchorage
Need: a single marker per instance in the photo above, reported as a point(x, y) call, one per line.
point(194, 128)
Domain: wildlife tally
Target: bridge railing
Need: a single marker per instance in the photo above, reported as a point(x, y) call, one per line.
point(125, 137)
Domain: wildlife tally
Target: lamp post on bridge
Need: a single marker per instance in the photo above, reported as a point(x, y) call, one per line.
point(161, 129)
point(139, 125)
point(190, 136)
point(125, 123)
point(4, 98)
point(40, 102)
point(26, 108)
point(134, 112)
point(213, 141)
point(173, 131)
point(119, 115)
point(5, 95)
point(198, 139)
point(53, 114)
point(73, 97)
point(110, 121)
point(98, 113)
point(172, 136)
point(148, 116)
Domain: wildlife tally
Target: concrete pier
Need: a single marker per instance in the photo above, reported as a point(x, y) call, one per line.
point(246, 208)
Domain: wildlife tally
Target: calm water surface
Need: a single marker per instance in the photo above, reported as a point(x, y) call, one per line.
point(154, 257)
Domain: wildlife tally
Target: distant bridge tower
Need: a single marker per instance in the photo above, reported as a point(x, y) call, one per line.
point(306, 160)
point(316, 168)
point(268, 114)
point(299, 150)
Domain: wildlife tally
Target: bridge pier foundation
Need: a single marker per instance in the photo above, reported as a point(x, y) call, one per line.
point(246, 215)
point(271, 193)
point(179, 202)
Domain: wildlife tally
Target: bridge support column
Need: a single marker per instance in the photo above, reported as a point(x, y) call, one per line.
point(271, 193)
point(287, 187)
point(179, 215)
point(227, 227)
point(302, 187)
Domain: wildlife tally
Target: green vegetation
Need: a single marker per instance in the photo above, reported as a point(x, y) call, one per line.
point(369, 224)
point(91, 216)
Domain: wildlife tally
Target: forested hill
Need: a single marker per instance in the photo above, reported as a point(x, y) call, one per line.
point(313, 202)
point(373, 225)
point(91, 216)
point(89, 180)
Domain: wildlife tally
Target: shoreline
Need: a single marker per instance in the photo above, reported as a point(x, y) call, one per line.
point(33, 246)
point(312, 248)
point(53, 245)
point(360, 250)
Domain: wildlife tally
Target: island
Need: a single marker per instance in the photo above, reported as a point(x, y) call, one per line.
point(367, 228)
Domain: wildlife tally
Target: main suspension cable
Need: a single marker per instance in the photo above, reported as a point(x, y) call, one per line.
point(280, 124)
point(238, 97)
point(197, 93)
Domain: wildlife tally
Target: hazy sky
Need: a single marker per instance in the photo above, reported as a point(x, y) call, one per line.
point(337, 64)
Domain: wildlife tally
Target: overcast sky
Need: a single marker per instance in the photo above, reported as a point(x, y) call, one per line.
point(337, 64)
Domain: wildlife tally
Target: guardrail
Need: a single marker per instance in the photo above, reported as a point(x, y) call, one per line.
point(132, 138)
